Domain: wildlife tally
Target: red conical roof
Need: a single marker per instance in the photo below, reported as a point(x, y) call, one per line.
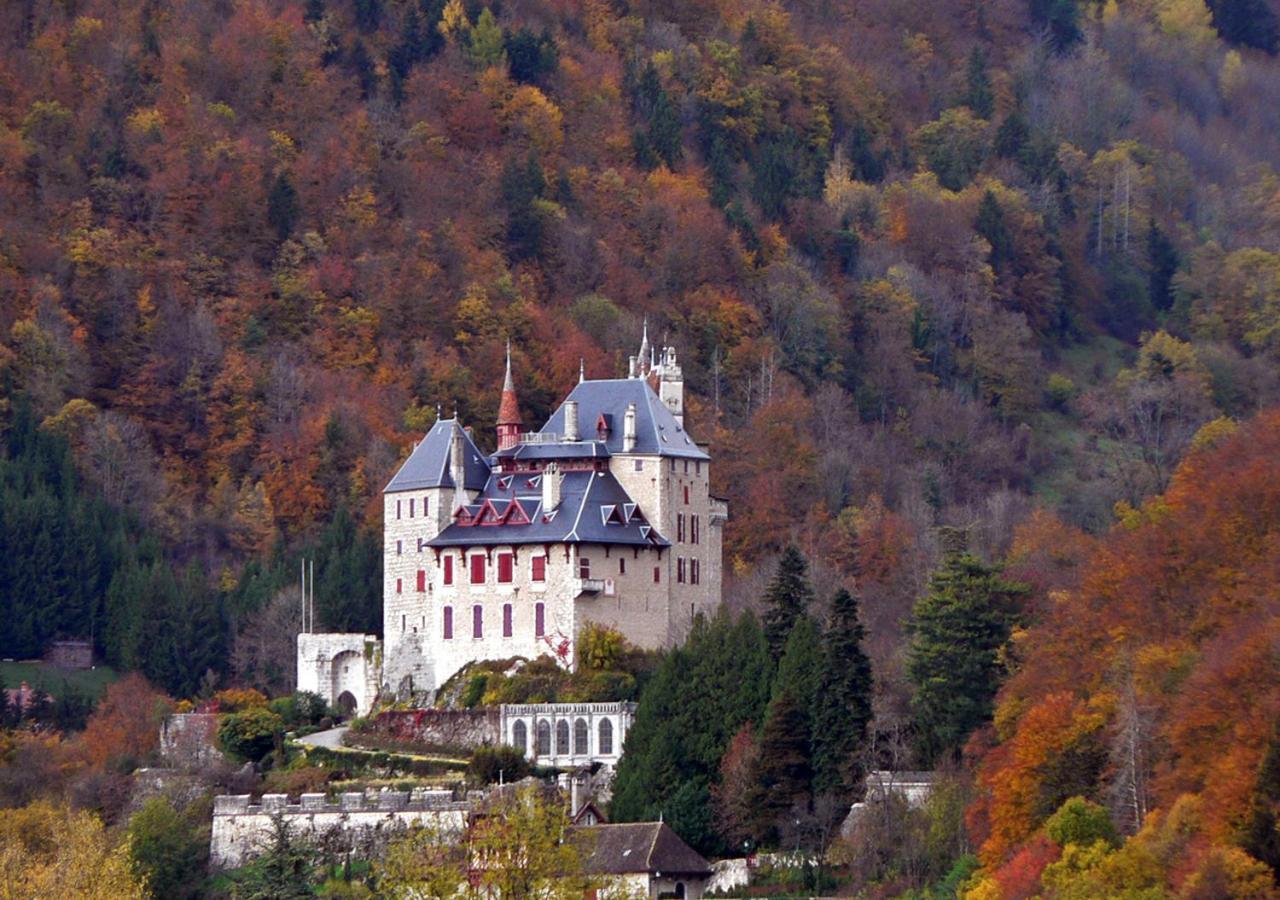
point(509, 407)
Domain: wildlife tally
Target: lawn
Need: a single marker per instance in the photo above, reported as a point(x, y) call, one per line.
point(55, 681)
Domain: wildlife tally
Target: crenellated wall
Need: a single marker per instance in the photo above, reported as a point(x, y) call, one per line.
point(354, 822)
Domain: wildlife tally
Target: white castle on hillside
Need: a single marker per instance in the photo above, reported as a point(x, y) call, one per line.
point(603, 516)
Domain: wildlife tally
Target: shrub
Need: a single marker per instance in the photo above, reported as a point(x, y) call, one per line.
point(1060, 391)
point(250, 734)
point(487, 762)
point(238, 699)
point(1079, 821)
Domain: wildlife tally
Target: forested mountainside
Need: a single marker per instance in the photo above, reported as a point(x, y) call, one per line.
point(979, 264)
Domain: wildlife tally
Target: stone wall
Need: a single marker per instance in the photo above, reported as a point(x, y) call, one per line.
point(361, 824)
point(189, 740)
point(462, 728)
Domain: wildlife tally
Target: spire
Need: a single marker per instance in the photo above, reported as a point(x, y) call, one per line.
point(507, 385)
point(644, 355)
point(582, 369)
point(508, 410)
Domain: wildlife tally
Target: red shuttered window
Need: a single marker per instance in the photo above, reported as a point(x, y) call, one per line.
point(539, 568)
point(504, 568)
point(448, 570)
point(477, 569)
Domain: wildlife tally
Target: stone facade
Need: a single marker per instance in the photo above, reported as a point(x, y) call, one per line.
point(342, 668)
point(568, 735)
point(189, 740)
point(360, 823)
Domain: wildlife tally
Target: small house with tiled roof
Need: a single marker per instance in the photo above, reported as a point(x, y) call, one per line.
point(645, 859)
point(603, 515)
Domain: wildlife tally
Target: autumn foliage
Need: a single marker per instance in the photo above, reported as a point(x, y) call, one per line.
point(1154, 682)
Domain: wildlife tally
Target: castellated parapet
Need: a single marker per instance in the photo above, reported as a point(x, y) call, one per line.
point(360, 823)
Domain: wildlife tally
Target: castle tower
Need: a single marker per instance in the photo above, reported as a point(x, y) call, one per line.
point(508, 410)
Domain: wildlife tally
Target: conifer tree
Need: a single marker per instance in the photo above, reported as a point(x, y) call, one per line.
point(785, 774)
point(958, 630)
point(843, 714)
point(700, 695)
point(786, 599)
point(979, 96)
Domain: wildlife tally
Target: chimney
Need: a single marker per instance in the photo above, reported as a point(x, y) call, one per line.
point(575, 795)
point(571, 420)
point(457, 467)
point(550, 488)
point(629, 429)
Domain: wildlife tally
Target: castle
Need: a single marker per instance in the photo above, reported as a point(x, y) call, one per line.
point(604, 515)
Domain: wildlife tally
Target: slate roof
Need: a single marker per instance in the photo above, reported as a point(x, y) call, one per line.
point(594, 509)
point(428, 464)
point(624, 849)
point(657, 431)
point(557, 450)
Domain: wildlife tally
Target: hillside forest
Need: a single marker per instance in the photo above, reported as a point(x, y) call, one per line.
point(1007, 269)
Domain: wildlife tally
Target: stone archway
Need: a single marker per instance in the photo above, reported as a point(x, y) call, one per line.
point(347, 673)
point(346, 703)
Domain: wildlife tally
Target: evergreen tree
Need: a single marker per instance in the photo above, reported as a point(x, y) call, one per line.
point(1061, 19)
point(957, 633)
point(979, 95)
point(785, 774)
point(1162, 265)
point(1261, 833)
point(699, 696)
point(990, 224)
point(1251, 23)
point(786, 599)
point(1012, 135)
point(282, 206)
point(282, 872)
point(349, 577)
point(530, 56)
point(843, 714)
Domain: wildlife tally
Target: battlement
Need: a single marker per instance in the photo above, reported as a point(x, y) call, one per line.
point(417, 800)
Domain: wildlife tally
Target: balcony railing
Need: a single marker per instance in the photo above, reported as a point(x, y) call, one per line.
point(538, 437)
point(590, 585)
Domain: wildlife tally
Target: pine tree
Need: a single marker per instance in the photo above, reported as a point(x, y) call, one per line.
point(958, 630)
point(990, 224)
point(282, 206)
point(979, 95)
point(843, 714)
point(785, 775)
point(786, 599)
point(700, 695)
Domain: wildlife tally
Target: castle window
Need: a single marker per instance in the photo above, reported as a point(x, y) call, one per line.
point(504, 568)
point(584, 567)
point(477, 621)
point(399, 585)
point(402, 621)
point(539, 564)
point(506, 620)
point(680, 570)
point(425, 501)
point(673, 465)
point(686, 495)
point(605, 745)
point(539, 619)
point(686, 467)
point(695, 573)
point(397, 509)
point(448, 623)
point(622, 565)
point(399, 547)
point(422, 580)
point(520, 737)
point(562, 737)
point(477, 568)
point(448, 570)
point(581, 736)
point(410, 507)
point(679, 528)
point(693, 529)
point(544, 738)
point(639, 465)
point(697, 467)
point(657, 574)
